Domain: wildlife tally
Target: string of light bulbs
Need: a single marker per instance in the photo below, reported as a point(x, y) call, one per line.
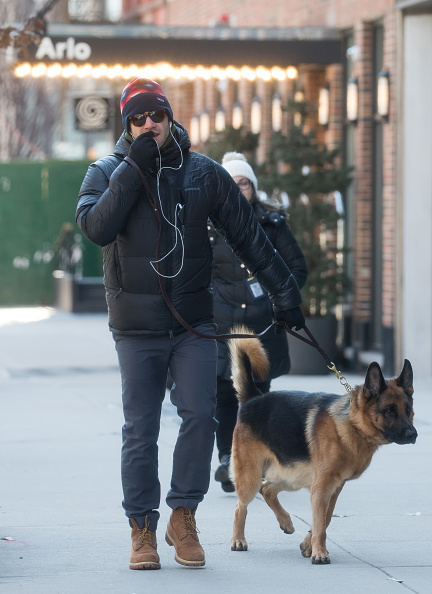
point(160, 71)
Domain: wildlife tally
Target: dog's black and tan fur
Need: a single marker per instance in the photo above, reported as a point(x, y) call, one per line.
point(313, 440)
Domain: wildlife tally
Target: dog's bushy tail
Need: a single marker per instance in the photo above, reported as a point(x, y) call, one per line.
point(249, 362)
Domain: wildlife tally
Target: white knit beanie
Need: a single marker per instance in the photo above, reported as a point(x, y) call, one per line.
point(236, 164)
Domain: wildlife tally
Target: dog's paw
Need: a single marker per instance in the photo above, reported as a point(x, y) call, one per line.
point(287, 526)
point(321, 559)
point(239, 545)
point(306, 547)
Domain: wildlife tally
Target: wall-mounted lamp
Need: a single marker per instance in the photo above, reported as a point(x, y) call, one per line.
point(383, 94)
point(352, 100)
point(299, 97)
point(276, 113)
point(324, 105)
point(256, 115)
point(220, 119)
point(204, 126)
point(353, 53)
point(237, 116)
point(194, 130)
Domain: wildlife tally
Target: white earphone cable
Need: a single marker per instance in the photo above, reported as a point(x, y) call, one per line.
point(177, 210)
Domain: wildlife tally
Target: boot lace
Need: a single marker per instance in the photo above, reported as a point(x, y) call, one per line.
point(144, 535)
point(190, 523)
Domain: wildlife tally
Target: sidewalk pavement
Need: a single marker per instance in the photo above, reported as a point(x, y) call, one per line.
point(62, 527)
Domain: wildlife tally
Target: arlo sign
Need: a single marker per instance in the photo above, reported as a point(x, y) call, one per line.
point(61, 50)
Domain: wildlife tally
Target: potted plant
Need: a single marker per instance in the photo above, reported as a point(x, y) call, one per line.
point(306, 176)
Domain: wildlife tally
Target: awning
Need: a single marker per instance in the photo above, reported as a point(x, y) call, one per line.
point(413, 4)
point(224, 46)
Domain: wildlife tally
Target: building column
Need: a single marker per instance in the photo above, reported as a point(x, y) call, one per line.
point(211, 102)
point(228, 99)
point(245, 94)
point(362, 240)
point(285, 88)
point(312, 79)
point(389, 192)
point(264, 92)
point(334, 132)
point(416, 210)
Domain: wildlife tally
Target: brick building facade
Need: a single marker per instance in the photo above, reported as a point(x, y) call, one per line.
point(388, 312)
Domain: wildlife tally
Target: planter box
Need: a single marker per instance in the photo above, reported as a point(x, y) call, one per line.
point(305, 359)
point(83, 295)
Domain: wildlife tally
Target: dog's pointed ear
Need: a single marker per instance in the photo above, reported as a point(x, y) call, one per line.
point(375, 381)
point(405, 380)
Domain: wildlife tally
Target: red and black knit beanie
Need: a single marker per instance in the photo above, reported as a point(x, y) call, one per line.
point(140, 95)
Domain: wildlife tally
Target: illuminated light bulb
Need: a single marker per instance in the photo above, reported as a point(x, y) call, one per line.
point(256, 116)
point(85, 70)
point(233, 73)
point(38, 70)
point(237, 116)
point(69, 71)
point(116, 71)
point(278, 73)
point(54, 70)
point(194, 130)
point(204, 126)
point(100, 71)
point(220, 120)
point(276, 113)
point(291, 72)
point(215, 72)
point(130, 72)
point(23, 70)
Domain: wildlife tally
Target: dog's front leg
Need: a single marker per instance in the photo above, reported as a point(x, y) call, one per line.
point(321, 496)
point(270, 493)
point(238, 540)
point(332, 504)
point(306, 546)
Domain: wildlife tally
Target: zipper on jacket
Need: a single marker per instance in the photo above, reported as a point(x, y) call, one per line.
point(118, 293)
point(171, 335)
point(117, 268)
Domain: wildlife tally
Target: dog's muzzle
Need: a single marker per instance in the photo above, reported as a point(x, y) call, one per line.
point(403, 437)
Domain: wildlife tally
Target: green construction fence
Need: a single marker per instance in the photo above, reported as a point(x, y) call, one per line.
point(38, 230)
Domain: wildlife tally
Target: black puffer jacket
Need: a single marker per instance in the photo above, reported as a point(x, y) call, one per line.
point(114, 212)
point(239, 299)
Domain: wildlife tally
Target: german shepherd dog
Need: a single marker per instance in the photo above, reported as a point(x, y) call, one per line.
point(287, 440)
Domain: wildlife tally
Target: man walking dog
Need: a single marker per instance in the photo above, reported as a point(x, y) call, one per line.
point(147, 205)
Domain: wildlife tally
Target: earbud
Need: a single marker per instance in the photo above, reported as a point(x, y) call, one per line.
point(170, 124)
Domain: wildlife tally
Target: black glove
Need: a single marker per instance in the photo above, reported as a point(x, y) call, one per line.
point(143, 151)
point(291, 317)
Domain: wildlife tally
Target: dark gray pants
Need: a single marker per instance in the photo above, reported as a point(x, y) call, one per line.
point(144, 363)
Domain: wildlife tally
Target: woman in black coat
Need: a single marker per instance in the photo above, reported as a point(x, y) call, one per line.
point(240, 299)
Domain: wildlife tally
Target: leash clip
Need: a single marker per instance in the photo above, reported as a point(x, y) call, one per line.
point(342, 379)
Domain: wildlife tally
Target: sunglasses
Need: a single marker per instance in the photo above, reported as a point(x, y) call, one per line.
point(244, 183)
point(139, 119)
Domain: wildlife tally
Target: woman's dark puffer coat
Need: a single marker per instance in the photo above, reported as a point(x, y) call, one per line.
point(238, 300)
point(114, 212)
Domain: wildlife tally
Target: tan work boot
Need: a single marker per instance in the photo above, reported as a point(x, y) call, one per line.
point(143, 550)
point(182, 534)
